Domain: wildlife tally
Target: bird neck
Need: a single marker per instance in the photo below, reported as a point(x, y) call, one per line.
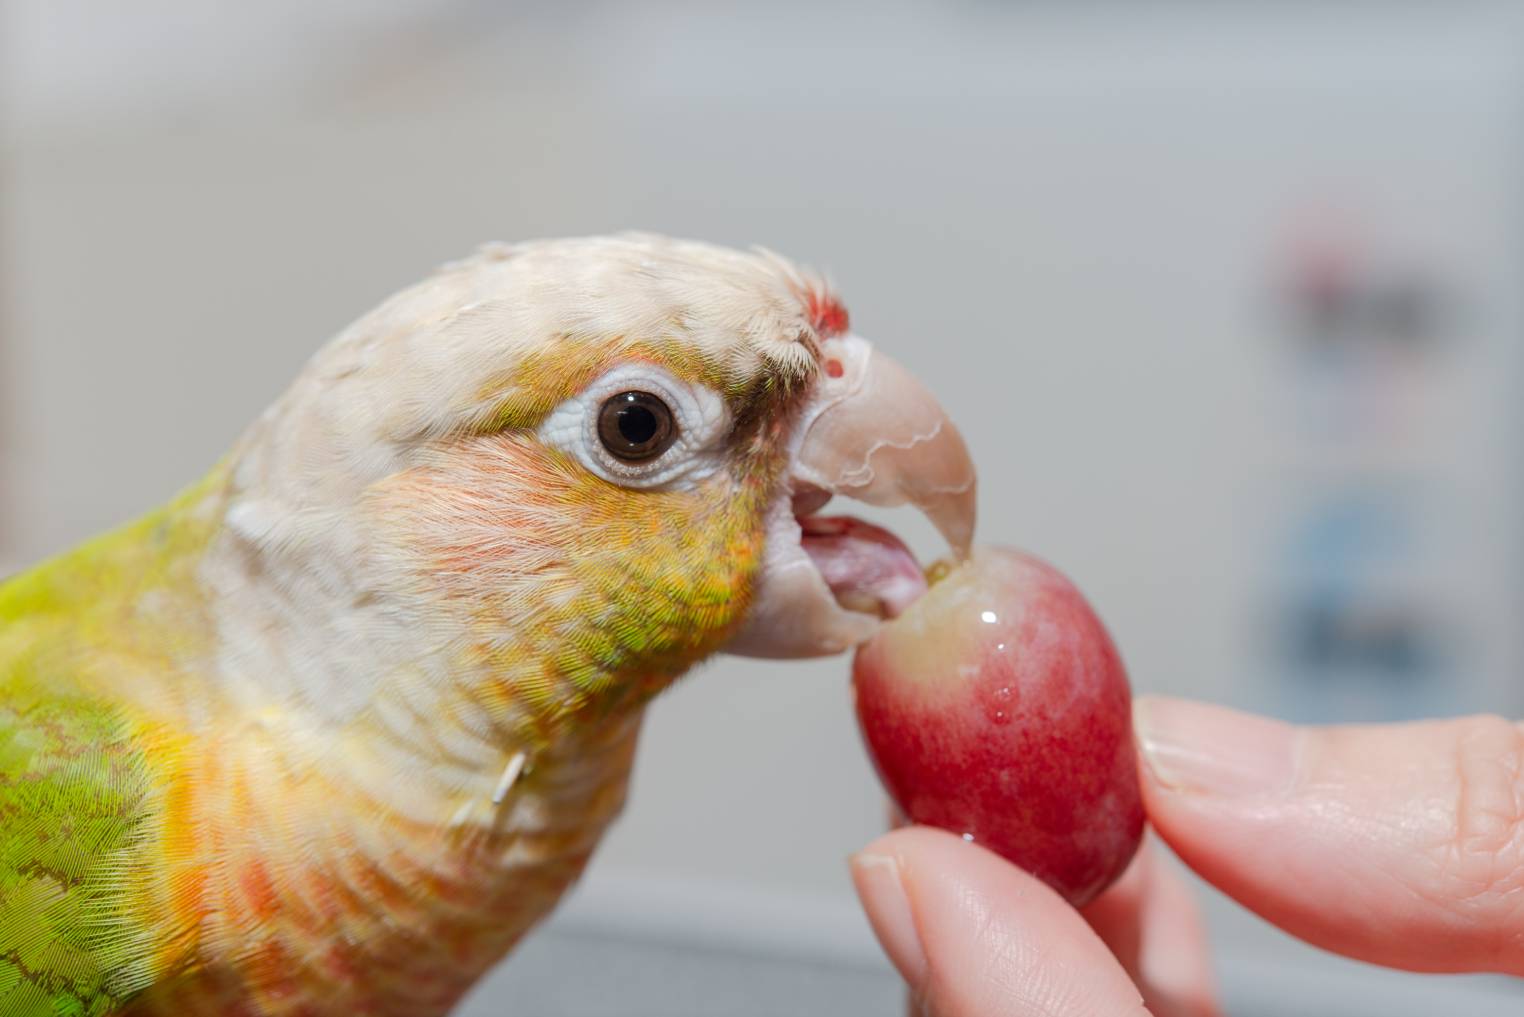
point(120, 615)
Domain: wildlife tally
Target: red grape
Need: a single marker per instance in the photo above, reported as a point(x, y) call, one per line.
point(997, 707)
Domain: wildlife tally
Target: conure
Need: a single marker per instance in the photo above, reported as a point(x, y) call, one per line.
point(332, 729)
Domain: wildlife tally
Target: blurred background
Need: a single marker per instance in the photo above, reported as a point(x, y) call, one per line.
point(1226, 298)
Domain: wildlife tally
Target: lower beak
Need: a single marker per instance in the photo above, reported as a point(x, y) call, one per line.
point(871, 432)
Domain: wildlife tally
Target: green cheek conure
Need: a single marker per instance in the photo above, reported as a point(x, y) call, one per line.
point(332, 729)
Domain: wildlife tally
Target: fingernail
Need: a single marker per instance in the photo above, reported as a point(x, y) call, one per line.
point(879, 884)
point(1211, 750)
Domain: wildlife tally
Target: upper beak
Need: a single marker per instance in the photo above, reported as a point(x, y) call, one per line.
point(872, 432)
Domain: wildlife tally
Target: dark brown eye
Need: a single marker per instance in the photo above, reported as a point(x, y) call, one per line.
point(636, 426)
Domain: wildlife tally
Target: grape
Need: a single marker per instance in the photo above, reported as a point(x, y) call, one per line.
point(997, 707)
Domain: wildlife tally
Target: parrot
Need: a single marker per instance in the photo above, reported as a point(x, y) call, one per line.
point(332, 729)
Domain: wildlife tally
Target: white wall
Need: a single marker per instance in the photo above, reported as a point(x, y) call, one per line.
point(1070, 221)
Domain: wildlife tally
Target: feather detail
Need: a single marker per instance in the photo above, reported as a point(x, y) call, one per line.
point(331, 731)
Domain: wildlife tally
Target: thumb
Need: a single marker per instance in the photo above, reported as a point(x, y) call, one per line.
point(1400, 845)
point(974, 936)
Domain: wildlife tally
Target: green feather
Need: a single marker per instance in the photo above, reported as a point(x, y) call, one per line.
point(75, 806)
point(80, 805)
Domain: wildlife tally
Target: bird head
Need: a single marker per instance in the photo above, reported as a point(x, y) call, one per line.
point(576, 467)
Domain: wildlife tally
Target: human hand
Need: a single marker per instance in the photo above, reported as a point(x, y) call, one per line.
point(1401, 845)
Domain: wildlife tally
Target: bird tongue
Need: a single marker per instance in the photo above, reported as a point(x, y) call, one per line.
point(867, 568)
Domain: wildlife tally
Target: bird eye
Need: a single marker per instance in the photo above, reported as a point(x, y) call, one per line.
point(639, 427)
point(636, 427)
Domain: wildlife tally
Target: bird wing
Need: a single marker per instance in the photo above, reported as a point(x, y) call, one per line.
point(76, 833)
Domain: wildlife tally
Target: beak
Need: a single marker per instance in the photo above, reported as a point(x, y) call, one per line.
point(871, 432)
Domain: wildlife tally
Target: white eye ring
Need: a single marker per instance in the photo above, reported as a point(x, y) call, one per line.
point(701, 419)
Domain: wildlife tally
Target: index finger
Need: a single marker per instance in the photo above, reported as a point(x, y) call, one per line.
point(1402, 845)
